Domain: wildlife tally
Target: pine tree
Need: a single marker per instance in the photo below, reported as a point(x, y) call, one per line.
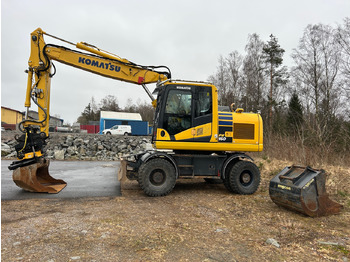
point(295, 114)
point(273, 54)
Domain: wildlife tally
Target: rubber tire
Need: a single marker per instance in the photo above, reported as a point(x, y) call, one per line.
point(235, 179)
point(108, 133)
point(227, 183)
point(227, 176)
point(126, 134)
point(164, 169)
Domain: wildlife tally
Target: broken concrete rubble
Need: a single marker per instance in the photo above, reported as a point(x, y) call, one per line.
point(86, 147)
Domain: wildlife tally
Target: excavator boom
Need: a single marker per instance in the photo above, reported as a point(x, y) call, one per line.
point(31, 169)
point(96, 61)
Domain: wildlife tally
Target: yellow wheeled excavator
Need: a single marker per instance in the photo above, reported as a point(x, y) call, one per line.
point(191, 137)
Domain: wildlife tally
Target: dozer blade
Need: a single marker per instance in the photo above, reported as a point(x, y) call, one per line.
point(35, 178)
point(302, 189)
point(122, 170)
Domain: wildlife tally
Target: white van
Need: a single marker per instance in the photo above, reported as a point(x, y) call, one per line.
point(118, 130)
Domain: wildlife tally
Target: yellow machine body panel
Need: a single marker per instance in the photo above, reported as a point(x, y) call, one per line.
point(244, 133)
point(190, 120)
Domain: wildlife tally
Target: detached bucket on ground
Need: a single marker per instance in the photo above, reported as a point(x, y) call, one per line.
point(36, 178)
point(303, 189)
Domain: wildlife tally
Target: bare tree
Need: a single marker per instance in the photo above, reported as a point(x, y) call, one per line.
point(343, 37)
point(219, 79)
point(109, 103)
point(317, 69)
point(308, 60)
point(130, 106)
point(253, 74)
point(234, 63)
point(146, 111)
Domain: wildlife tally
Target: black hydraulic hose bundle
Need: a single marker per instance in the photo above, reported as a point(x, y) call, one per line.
point(150, 68)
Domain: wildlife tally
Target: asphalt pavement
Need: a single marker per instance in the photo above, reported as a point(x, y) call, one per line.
point(84, 179)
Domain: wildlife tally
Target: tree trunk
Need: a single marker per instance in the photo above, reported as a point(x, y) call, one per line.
point(270, 98)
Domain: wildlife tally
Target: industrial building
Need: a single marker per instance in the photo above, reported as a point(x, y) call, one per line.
point(109, 119)
point(10, 118)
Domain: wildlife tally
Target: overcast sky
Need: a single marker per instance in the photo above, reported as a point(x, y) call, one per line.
point(187, 36)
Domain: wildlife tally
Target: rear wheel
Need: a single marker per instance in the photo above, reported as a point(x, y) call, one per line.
point(244, 178)
point(126, 134)
point(108, 133)
point(157, 177)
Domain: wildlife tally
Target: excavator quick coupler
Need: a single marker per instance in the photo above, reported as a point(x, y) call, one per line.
point(302, 189)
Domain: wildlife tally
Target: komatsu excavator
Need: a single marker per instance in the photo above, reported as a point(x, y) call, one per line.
point(191, 137)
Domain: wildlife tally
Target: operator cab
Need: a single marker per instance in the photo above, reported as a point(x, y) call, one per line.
point(180, 108)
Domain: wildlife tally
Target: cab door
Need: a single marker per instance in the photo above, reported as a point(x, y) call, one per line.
point(187, 114)
point(203, 114)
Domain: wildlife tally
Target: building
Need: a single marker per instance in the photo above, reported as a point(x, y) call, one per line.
point(109, 119)
point(93, 127)
point(10, 118)
point(54, 121)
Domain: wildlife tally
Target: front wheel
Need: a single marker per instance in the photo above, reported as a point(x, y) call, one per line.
point(157, 177)
point(244, 178)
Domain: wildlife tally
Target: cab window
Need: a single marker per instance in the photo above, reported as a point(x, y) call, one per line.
point(203, 103)
point(178, 111)
point(179, 102)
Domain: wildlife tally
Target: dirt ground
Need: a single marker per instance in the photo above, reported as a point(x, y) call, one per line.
point(196, 222)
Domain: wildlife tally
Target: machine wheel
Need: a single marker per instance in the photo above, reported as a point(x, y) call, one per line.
point(244, 178)
point(126, 134)
point(227, 177)
point(157, 177)
point(227, 183)
point(108, 133)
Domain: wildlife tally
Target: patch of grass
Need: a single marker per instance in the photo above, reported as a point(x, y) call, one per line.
point(274, 172)
point(343, 193)
point(337, 248)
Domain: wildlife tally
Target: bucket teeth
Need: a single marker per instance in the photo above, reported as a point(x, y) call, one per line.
point(36, 178)
point(303, 189)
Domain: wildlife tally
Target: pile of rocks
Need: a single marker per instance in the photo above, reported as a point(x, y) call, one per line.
point(85, 147)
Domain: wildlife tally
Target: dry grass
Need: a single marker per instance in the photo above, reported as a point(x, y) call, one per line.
point(295, 150)
point(196, 222)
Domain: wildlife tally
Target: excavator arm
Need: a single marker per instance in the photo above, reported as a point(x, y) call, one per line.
point(31, 169)
point(96, 61)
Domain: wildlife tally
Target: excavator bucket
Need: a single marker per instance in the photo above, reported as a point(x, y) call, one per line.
point(35, 178)
point(302, 189)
